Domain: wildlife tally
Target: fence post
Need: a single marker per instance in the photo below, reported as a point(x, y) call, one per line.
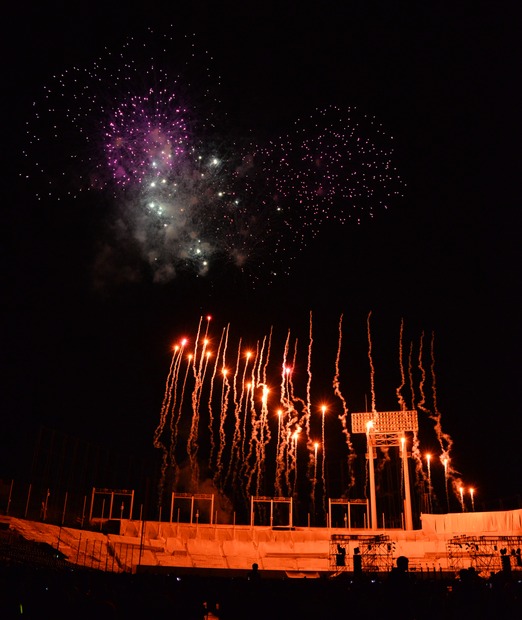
point(9, 499)
point(27, 503)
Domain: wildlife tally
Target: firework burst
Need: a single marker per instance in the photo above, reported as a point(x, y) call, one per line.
point(337, 165)
point(182, 192)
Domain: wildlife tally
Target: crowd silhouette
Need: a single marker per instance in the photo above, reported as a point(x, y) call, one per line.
point(45, 592)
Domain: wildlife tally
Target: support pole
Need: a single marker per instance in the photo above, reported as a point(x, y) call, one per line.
point(407, 499)
point(92, 504)
point(27, 503)
point(10, 495)
point(373, 501)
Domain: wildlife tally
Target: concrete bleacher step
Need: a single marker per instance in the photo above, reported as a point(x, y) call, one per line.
point(206, 561)
point(174, 560)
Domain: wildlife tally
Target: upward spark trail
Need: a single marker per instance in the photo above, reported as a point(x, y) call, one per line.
point(308, 413)
point(210, 407)
point(402, 404)
point(445, 441)
point(343, 417)
point(192, 443)
point(167, 398)
point(370, 359)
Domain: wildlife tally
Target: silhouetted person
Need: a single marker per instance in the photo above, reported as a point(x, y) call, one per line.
point(399, 575)
point(402, 564)
point(341, 556)
point(357, 562)
point(505, 562)
point(254, 574)
point(401, 589)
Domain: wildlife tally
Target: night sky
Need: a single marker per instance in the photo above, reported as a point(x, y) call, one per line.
point(445, 258)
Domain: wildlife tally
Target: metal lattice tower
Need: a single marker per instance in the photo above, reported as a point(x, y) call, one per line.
point(387, 429)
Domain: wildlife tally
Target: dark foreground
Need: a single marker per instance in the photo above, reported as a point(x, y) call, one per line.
point(36, 592)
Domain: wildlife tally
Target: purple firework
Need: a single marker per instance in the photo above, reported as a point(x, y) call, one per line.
point(183, 194)
point(147, 137)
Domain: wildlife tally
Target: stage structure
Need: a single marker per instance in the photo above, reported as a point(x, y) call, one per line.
point(386, 429)
point(272, 501)
point(486, 554)
point(361, 553)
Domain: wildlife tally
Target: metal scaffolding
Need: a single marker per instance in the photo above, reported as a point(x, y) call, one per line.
point(486, 554)
point(375, 553)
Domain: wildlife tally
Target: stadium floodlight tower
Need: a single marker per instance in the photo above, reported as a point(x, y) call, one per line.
point(386, 429)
